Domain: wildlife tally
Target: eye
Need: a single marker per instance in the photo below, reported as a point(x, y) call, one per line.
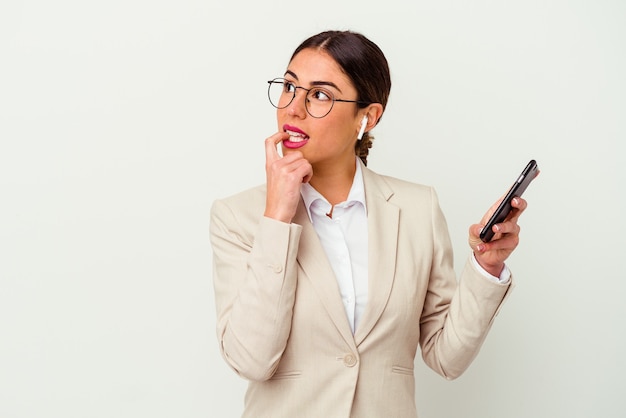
point(288, 87)
point(320, 95)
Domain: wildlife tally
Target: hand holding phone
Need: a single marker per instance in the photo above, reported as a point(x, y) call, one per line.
point(528, 174)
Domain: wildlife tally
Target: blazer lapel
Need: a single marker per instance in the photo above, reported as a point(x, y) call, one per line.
point(382, 221)
point(314, 262)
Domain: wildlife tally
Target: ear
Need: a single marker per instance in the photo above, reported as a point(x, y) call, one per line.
point(373, 112)
point(363, 126)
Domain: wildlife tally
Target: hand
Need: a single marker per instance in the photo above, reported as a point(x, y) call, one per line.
point(491, 255)
point(284, 177)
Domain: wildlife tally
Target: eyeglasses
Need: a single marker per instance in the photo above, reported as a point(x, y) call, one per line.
point(318, 103)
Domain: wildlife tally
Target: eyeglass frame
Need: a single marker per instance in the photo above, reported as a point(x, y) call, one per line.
point(282, 80)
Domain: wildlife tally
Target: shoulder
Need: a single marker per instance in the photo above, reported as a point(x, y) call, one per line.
point(397, 190)
point(245, 205)
point(248, 196)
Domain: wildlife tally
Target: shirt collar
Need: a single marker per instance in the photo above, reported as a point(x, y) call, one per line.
point(356, 194)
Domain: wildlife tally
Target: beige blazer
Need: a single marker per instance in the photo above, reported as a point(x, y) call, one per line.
point(281, 323)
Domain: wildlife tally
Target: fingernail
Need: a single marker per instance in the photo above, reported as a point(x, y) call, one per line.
point(480, 248)
point(496, 228)
point(516, 200)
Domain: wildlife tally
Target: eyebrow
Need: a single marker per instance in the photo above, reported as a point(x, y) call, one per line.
point(315, 83)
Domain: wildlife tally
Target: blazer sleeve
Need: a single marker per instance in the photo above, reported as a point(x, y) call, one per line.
point(456, 316)
point(254, 277)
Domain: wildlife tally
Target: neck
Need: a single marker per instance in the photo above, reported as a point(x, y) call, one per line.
point(334, 182)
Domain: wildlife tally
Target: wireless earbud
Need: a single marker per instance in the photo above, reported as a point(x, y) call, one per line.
point(362, 131)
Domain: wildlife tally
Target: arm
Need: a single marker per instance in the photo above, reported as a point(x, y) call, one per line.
point(255, 268)
point(255, 277)
point(456, 317)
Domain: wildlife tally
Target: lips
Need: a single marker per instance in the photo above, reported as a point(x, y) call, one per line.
point(297, 137)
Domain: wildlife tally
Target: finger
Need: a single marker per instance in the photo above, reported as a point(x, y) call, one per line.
point(300, 167)
point(508, 228)
point(519, 205)
point(271, 153)
point(475, 230)
point(491, 210)
point(308, 173)
point(293, 169)
point(475, 243)
point(498, 249)
point(504, 243)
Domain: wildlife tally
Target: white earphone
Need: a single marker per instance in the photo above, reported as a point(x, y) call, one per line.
point(362, 131)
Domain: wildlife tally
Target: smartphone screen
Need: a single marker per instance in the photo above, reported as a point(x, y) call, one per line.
point(528, 174)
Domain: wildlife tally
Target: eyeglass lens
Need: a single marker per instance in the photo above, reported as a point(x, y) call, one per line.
point(318, 102)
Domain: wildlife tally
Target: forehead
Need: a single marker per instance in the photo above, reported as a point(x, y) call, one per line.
point(314, 65)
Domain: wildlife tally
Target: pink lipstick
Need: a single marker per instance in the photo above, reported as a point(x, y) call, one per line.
point(297, 137)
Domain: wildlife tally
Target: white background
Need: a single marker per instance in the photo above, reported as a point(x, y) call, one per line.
point(121, 121)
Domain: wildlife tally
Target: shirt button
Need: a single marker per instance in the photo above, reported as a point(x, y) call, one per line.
point(349, 360)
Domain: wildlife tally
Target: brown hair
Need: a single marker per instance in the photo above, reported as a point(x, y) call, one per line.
point(366, 66)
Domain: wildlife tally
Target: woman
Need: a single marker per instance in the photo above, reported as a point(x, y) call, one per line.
point(329, 276)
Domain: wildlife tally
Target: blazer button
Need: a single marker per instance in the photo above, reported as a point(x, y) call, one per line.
point(277, 268)
point(349, 360)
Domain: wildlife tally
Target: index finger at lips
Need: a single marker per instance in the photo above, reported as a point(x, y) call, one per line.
point(271, 153)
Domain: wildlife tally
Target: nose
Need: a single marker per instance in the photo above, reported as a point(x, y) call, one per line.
point(297, 107)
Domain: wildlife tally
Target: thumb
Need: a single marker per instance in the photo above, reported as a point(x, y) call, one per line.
point(474, 237)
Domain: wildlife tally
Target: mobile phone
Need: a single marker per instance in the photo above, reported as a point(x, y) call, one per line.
point(528, 174)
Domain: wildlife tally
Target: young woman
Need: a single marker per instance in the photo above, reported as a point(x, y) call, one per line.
point(329, 276)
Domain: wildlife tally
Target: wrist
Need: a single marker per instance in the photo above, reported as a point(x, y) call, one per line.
point(493, 269)
point(278, 216)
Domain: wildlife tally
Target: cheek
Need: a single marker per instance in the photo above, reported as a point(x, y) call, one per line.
point(342, 128)
point(281, 118)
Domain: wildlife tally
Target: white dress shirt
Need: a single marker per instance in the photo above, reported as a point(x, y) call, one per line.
point(345, 240)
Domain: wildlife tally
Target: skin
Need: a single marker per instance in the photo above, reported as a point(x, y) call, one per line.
point(327, 161)
point(329, 152)
point(492, 255)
